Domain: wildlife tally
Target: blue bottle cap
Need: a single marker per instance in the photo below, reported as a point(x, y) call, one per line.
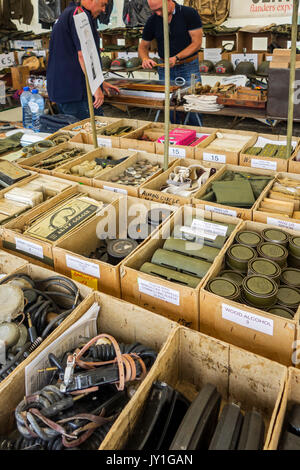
point(26, 88)
point(35, 91)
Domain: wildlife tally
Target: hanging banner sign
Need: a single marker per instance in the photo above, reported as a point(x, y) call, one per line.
point(89, 51)
point(259, 8)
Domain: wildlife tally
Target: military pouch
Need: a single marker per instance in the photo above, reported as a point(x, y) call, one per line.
point(239, 194)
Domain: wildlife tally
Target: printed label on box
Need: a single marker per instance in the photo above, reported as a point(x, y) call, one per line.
point(158, 291)
point(210, 228)
point(104, 142)
point(83, 266)
point(84, 279)
point(248, 319)
point(283, 223)
point(214, 157)
point(29, 247)
point(219, 210)
point(115, 190)
point(176, 152)
point(264, 164)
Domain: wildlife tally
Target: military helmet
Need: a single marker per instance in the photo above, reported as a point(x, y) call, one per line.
point(133, 62)
point(106, 62)
point(118, 64)
point(206, 66)
point(224, 66)
point(263, 69)
point(245, 68)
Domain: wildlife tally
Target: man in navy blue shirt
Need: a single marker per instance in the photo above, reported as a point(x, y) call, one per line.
point(185, 33)
point(65, 72)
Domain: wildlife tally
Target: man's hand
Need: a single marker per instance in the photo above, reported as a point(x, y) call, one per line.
point(108, 88)
point(148, 64)
point(99, 98)
point(173, 61)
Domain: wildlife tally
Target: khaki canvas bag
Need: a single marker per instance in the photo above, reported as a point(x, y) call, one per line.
point(211, 11)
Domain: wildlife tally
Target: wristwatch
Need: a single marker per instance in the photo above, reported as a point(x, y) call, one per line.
point(177, 58)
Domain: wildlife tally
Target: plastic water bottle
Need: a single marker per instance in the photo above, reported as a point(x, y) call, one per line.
point(36, 105)
point(25, 98)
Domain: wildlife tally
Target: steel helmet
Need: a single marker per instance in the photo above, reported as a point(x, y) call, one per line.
point(133, 62)
point(106, 62)
point(263, 69)
point(118, 64)
point(245, 68)
point(224, 66)
point(206, 66)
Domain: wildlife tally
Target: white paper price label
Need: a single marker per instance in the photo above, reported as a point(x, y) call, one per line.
point(83, 266)
point(219, 210)
point(7, 60)
point(158, 291)
point(176, 152)
point(214, 157)
point(263, 164)
point(29, 247)
point(115, 190)
point(248, 319)
point(283, 223)
point(210, 228)
point(104, 142)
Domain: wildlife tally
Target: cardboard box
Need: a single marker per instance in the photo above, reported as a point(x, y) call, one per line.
point(47, 196)
point(104, 180)
point(190, 360)
point(33, 249)
point(78, 126)
point(281, 221)
point(127, 323)
point(293, 163)
point(131, 141)
point(279, 64)
point(71, 255)
point(152, 190)
point(101, 152)
point(31, 162)
point(250, 328)
point(173, 300)
point(101, 139)
point(19, 76)
point(241, 212)
point(223, 156)
point(9, 263)
point(37, 273)
point(268, 163)
point(184, 151)
point(290, 397)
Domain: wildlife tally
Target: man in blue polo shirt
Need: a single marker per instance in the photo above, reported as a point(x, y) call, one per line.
point(65, 72)
point(185, 33)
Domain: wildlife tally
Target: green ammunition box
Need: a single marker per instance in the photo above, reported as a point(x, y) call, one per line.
point(170, 275)
point(195, 250)
point(181, 263)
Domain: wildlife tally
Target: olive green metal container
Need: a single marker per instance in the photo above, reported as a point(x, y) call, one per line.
point(234, 276)
point(273, 252)
point(294, 246)
point(249, 238)
point(181, 263)
point(195, 250)
point(290, 277)
point(224, 288)
point(260, 291)
point(170, 275)
point(274, 235)
point(238, 257)
point(264, 267)
point(294, 261)
point(282, 312)
point(288, 297)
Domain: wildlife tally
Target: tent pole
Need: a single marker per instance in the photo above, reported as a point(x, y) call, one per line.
point(167, 83)
point(292, 77)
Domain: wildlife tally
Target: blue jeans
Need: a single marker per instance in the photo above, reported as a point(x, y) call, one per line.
point(79, 109)
point(185, 71)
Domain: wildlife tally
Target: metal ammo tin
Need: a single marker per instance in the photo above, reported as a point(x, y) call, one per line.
point(288, 297)
point(260, 290)
point(224, 288)
point(195, 250)
point(275, 235)
point(294, 261)
point(170, 275)
point(282, 312)
point(238, 257)
point(234, 276)
point(117, 250)
point(157, 216)
point(264, 267)
point(273, 252)
point(294, 246)
point(181, 263)
point(249, 238)
point(290, 277)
